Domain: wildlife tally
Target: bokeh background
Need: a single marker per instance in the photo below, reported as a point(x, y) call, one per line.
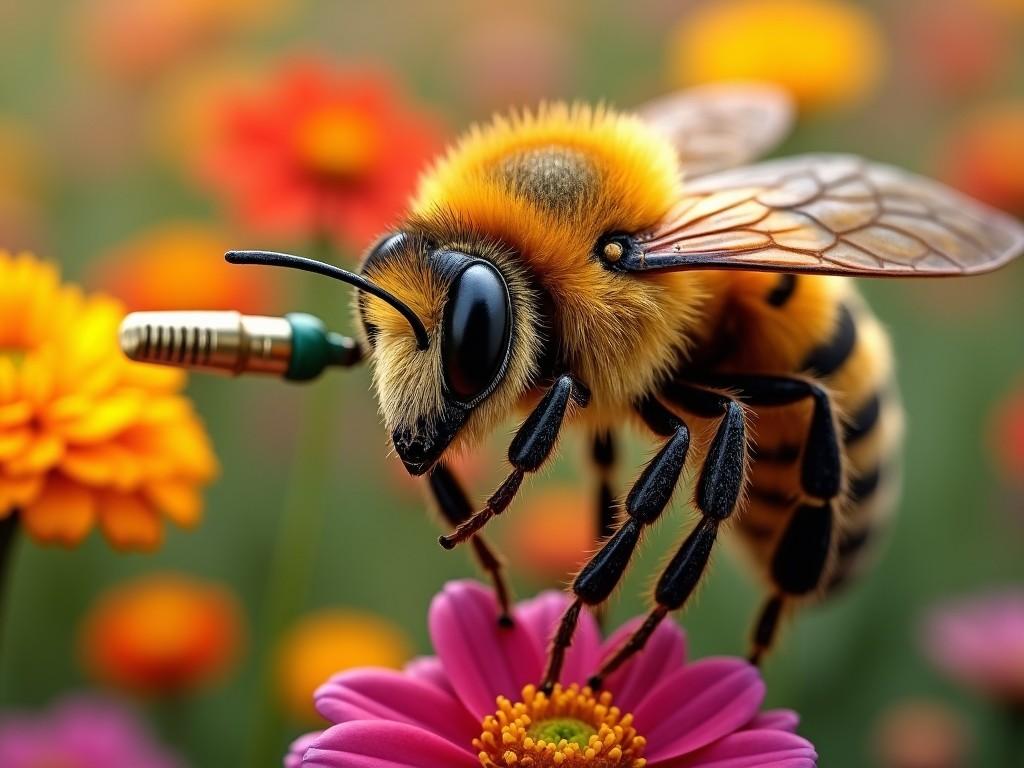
point(113, 165)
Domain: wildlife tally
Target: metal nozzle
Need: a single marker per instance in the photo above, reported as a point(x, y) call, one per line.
point(295, 347)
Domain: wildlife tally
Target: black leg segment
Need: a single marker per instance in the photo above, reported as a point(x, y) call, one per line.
point(455, 508)
point(645, 502)
point(603, 457)
point(719, 488)
point(801, 558)
point(530, 448)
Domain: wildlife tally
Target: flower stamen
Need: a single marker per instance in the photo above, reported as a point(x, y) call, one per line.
point(570, 728)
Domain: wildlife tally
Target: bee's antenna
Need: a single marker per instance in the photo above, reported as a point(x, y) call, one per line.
point(274, 259)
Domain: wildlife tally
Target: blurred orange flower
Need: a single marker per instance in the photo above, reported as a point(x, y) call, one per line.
point(329, 641)
point(1007, 430)
point(319, 151)
point(922, 734)
point(181, 266)
point(552, 534)
point(162, 634)
point(984, 156)
point(86, 437)
point(136, 40)
point(827, 53)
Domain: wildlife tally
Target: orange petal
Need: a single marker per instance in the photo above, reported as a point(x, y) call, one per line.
point(106, 464)
point(179, 501)
point(128, 522)
point(18, 491)
point(38, 456)
point(105, 420)
point(15, 414)
point(14, 442)
point(63, 512)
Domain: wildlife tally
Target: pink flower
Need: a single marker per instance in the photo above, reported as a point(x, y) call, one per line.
point(979, 642)
point(79, 732)
point(475, 704)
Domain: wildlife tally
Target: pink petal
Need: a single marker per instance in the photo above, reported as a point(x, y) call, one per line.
point(383, 694)
point(750, 749)
point(298, 748)
point(664, 654)
point(541, 617)
point(380, 744)
point(697, 705)
point(429, 670)
point(775, 720)
point(481, 659)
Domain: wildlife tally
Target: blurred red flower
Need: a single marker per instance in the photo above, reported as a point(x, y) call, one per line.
point(319, 152)
point(984, 156)
point(955, 48)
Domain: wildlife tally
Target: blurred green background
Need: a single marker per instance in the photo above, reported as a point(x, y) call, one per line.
point(960, 527)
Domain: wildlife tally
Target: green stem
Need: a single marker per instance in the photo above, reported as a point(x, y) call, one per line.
point(292, 564)
point(1011, 746)
point(8, 535)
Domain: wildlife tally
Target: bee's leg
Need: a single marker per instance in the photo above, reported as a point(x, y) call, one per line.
point(530, 448)
point(801, 558)
point(603, 456)
point(718, 493)
point(605, 503)
point(455, 508)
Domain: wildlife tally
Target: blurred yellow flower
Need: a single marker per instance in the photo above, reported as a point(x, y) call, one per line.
point(326, 642)
point(162, 633)
point(86, 437)
point(181, 266)
point(827, 53)
point(551, 536)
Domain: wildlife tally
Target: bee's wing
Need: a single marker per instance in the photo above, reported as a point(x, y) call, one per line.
point(721, 125)
point(827, 214)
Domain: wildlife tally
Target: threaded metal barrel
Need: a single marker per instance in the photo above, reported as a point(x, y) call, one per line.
point(229, 342)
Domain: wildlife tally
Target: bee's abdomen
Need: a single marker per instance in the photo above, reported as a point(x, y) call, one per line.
point(849, 353)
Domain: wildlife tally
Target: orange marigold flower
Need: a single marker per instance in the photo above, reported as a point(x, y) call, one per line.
point(552, 535)
point(329, 641)
point(162, 633)
point(984, 156)
point(181, 266)
point(319, 152)
point(827, 53)
point(86, 437)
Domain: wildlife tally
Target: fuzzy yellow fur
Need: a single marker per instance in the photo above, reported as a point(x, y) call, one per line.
point(622, 333)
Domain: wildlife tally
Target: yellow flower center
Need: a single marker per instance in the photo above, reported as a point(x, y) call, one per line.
point(572, 727)
point(337, 142)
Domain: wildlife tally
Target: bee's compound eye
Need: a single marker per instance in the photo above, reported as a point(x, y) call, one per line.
point(477, 329)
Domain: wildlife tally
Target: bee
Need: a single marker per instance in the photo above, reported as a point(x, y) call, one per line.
point(600, 269)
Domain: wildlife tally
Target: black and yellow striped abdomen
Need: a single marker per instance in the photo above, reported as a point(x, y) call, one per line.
point(822, 329)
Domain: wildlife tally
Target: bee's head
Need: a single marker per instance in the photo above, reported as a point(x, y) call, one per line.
point(481, 323)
